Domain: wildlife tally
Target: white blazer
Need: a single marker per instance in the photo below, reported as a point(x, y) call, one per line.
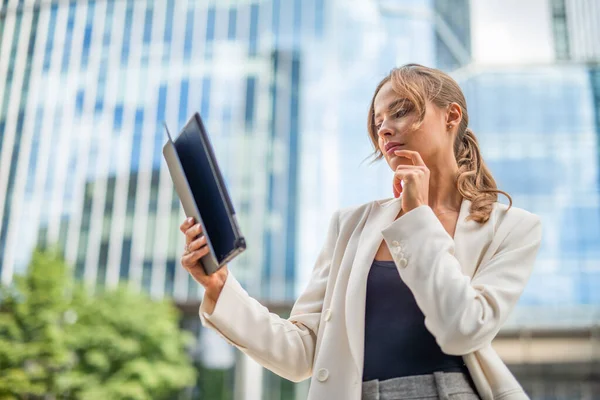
point(465, 287)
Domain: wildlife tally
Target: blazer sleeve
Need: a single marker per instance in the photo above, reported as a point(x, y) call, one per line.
point(284, 346)
point(463, 314)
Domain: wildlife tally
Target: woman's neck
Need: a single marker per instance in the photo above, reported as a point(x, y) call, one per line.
point(443, 194)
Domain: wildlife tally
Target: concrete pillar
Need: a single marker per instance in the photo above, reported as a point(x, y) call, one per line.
point(248, 379)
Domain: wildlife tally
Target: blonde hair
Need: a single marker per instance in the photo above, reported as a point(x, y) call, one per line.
point(418, 84)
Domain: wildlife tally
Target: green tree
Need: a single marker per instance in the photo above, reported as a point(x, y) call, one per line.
point(33, 351)
point(58, 341)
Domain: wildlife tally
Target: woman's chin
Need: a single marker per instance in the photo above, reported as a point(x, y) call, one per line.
point(396, 161)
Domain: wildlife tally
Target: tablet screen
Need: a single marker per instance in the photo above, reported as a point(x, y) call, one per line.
point(204, 177)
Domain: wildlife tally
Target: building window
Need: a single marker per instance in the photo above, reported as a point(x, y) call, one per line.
point(210, 32)
point(561, 34)
point(204, 108)
point(102, 261)
point(127, 33)
point(232, 24)
point(79, 97)
point(168, 32)
point(250, 95)
point(319, 11)
point(147, 275)
point(160, 117)
point(210, 24)
point(253, 30)
point(169, 277)
point(118, 118)
point(68, 38)
point(125, 258)
point(147, 35)
point(137, 139)
point(183, 101)
point(189, 32)
point(50, 41)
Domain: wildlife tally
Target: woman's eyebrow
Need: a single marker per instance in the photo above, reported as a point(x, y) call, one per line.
point(397, 104)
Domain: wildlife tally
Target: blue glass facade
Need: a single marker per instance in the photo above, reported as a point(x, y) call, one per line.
point(122, 69)
point(11, 150)
point(539, 136)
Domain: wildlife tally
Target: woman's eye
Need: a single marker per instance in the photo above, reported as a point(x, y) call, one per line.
point(401, 113)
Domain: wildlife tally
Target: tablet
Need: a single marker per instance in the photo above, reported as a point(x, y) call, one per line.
point(202, 192)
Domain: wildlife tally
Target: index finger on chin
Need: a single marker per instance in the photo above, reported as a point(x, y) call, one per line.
point(413, 155)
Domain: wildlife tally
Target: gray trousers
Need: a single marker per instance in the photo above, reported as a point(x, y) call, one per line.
point(439, 385)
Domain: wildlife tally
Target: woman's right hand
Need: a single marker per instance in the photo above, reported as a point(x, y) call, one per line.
point(196, 248)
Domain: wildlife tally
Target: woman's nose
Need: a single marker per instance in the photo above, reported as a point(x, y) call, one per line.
point(385, 130)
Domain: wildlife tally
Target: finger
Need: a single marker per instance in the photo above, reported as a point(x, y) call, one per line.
point(404, 174)
point(186, 261)
point(197, 272)
point(186, 224)
point(197, 244)
point(410, 175)
point(413, 155)
point(412, 168)
point(198, 254)
point(193, 232)
point(404, 177)
point(396, 191)
point(194, 268)
point(396, 184)
point(189, 260)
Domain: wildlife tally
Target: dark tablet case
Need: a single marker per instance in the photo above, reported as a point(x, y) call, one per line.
point(202, 192)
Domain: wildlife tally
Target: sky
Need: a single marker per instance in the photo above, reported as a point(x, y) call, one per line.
point(511, 32)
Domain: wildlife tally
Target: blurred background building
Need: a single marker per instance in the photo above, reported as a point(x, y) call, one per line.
point(284, 87)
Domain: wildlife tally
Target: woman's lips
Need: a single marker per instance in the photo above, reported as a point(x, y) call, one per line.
point(392, 149)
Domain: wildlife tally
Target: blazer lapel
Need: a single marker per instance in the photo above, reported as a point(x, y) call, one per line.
point(470, 244)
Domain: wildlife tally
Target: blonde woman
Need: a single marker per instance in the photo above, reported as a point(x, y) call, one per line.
point(407, 293)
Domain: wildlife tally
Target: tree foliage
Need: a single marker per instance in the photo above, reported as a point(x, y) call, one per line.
point(58, 341)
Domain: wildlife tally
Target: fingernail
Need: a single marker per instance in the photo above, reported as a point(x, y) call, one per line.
point(189, 219)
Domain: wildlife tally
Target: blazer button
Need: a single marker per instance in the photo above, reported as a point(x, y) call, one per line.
point(322, 375)
point(402, 263)
point(327, 314)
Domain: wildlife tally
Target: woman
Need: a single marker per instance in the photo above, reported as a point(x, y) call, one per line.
point(407, 293)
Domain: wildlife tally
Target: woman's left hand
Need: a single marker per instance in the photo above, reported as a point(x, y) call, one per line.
point(415, 181)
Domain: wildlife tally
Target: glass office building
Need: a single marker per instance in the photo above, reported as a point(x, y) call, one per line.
point(537, 128)
point(576, 29)
point(88, 85)
point(85, 88)
point(538, 131)
point(547, 153)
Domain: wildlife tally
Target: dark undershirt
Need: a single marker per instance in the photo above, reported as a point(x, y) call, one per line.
point(397, 343)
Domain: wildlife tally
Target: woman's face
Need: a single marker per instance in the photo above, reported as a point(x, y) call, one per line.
point(430, 139)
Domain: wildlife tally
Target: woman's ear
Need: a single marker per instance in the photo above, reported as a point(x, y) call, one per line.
point(453, 115)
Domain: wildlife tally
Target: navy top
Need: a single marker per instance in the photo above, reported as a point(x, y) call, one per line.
point(397, 343)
